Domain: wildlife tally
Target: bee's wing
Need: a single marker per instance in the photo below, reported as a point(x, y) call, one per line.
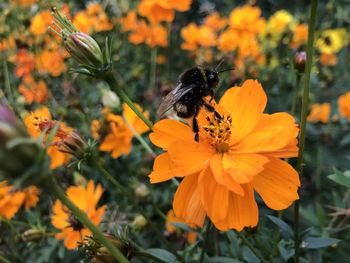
point(174, 96)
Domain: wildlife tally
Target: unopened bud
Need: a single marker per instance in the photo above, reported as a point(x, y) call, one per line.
point(73, 144)
point(139, 222)
point(300, 61)
point(141, 191)
point(110, 99)
point(33, 235)
point(84, 49)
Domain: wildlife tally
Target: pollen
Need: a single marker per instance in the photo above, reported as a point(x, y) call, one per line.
point(218, 131)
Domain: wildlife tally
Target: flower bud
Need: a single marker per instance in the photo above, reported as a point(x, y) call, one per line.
point(73, 144)
point(84, 49)
point(300, 61)
point(139, 222)
point(33, 235)
point(110, 99)
point(141, 191)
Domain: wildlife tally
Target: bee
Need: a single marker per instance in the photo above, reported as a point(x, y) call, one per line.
point(189, 95)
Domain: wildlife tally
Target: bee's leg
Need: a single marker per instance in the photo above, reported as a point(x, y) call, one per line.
point(211, 108)
point(195, 127)
point(211, 94)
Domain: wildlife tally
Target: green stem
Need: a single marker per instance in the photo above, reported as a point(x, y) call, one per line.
point(296, 93)
point(7, 84)
point(109, 177)
point(112, 82)
point(81, 216)
point(152, 77)
point(205, 242)
point(304, 109)
point(251, 247)
point(4, 260)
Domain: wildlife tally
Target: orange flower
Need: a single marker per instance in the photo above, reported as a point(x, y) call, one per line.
point(40, 23)
point(119, 137)
point(25, 2)
point(171, 228)
point(24, 61)
point(40, 121)
point(152, 35)
point(7, 43)
point(31, 196)
point(129, 22)
point(51, 61)
point(196, 36)
point(215, 22)
point(71, 229)
point(235, 155)
point(10, 200)
point(300, 33)
point(319, 113)
point(33, 91)
point(162, 10)
point(328, 59)
point(344, 105)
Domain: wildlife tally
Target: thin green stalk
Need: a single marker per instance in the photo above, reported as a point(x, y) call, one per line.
point(7, 84)
point(112, 82)
point(152, 77)
point(109, 177)
point(304, 109)
point(140, 139)
point(4, 260)
point(81, 216)
point(205, 242)
point(296, 92)
point(251, 247)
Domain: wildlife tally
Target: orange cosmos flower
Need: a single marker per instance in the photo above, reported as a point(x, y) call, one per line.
point(31, 196)
point(40, 121)
point(344, 105)
point(25, 2)
point(24, 61)
point(119, 133)
point(40, 23)
point(319, 113)
point(33, 91)
point(71, 229)
point(196, 36)
point(215, 22)
point(51, 62)
point(10, 200)
point(328, 59)
point(171, 228)
point(235, 156)
point(7, 43)
point(162, 10)
point(300, 33)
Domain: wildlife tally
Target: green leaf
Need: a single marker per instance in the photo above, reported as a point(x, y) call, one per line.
point(160, 255)
point(287, 231)
point(222, 260)
point(341, 178)
point(318, 242)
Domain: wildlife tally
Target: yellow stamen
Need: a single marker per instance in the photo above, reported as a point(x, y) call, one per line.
point(219, 132)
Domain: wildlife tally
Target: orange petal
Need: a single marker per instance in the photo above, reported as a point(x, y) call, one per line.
point(277, 184)
point(161, 169)
point(195, 156)
point(246, 107)
point(222, 177)
point(187, 203)
point(165, 132)
point(243, 167)
point(72, 239)
point(272, 133)
point(214, 196)
point(242, 211)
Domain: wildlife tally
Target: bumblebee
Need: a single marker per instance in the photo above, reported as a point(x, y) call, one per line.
point(189, 95)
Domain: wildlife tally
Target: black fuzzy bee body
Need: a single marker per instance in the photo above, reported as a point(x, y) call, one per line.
point(188, 97)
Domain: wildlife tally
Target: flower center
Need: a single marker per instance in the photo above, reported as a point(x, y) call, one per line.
point(43, 124)
point(219, 131)
point(75, 223)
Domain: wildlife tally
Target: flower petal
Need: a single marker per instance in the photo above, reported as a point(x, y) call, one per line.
point(272, 133)
point(246, 107)
point(242, 211)
point(214, 196)
point(243, 167)
point(277, 184)
point(161, 169)
point(222, 177)
point(165, 132)
point(187, 203)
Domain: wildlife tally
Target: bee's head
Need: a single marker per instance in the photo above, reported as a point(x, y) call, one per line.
point(212, 78)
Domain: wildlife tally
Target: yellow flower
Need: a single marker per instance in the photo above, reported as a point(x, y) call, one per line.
point(236, 155)
point(331, 41)
point(344, 105)
point(71, 229)
point(119, 136)
point(319, 113)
